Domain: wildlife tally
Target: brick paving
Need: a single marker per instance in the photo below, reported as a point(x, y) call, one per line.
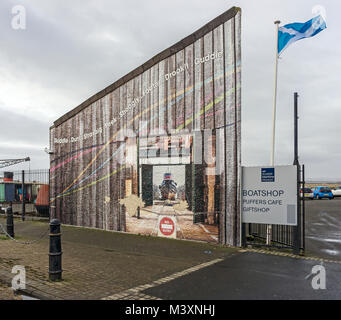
point(98, 264)
point(6, 293)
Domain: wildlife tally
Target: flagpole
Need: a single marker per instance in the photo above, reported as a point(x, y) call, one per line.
point(272, 160)
point(272, 156)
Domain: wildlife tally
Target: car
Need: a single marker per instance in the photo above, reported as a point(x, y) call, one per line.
point(321, 192)
point(307, 192)
point(337, 191)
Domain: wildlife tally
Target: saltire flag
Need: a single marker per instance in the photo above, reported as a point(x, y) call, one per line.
point(292, 32)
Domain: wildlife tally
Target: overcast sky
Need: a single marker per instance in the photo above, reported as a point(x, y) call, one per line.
point(72, 49)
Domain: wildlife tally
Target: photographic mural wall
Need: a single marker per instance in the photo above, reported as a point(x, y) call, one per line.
point(187, 98)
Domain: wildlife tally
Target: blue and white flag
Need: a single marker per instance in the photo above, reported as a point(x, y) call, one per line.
point(296, 31)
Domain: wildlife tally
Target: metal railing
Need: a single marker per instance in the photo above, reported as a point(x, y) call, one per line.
point(27, 190)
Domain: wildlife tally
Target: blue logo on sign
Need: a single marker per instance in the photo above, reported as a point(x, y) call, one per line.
point(268, 174)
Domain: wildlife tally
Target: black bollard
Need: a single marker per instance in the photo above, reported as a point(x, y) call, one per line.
point(9, 221)
point(55, 254)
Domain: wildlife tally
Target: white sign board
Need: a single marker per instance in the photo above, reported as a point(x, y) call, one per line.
point(269, 195)
point(167, 226)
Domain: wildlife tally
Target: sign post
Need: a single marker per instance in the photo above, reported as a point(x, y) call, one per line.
point(167, 226)
point(297, 230)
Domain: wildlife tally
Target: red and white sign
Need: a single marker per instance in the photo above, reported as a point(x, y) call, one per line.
point(167, 226)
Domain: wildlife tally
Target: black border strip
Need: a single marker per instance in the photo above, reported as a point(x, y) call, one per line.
point(227, 15)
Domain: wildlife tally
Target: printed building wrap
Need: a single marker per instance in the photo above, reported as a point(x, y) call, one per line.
point(190, 90)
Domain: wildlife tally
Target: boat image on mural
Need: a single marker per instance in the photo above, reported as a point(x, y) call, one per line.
point(164, 140)
point(168, 187)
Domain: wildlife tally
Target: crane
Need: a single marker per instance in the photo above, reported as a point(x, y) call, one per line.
point(11, 162)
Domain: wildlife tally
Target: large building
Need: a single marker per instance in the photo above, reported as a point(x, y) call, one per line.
point(180, 109)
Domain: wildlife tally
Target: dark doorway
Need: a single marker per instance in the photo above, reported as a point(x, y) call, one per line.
point(147, 184)
point(188, 185)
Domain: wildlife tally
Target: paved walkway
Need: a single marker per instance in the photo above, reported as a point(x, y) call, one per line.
point(106, 265)
point(6, 293)
point(100, 264)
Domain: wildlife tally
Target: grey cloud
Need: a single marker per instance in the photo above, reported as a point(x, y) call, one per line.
point(22, 137)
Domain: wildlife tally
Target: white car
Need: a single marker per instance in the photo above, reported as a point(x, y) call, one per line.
point(337, 191)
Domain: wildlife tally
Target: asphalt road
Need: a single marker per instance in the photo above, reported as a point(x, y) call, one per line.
point(323, 228)
point(254, 276)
